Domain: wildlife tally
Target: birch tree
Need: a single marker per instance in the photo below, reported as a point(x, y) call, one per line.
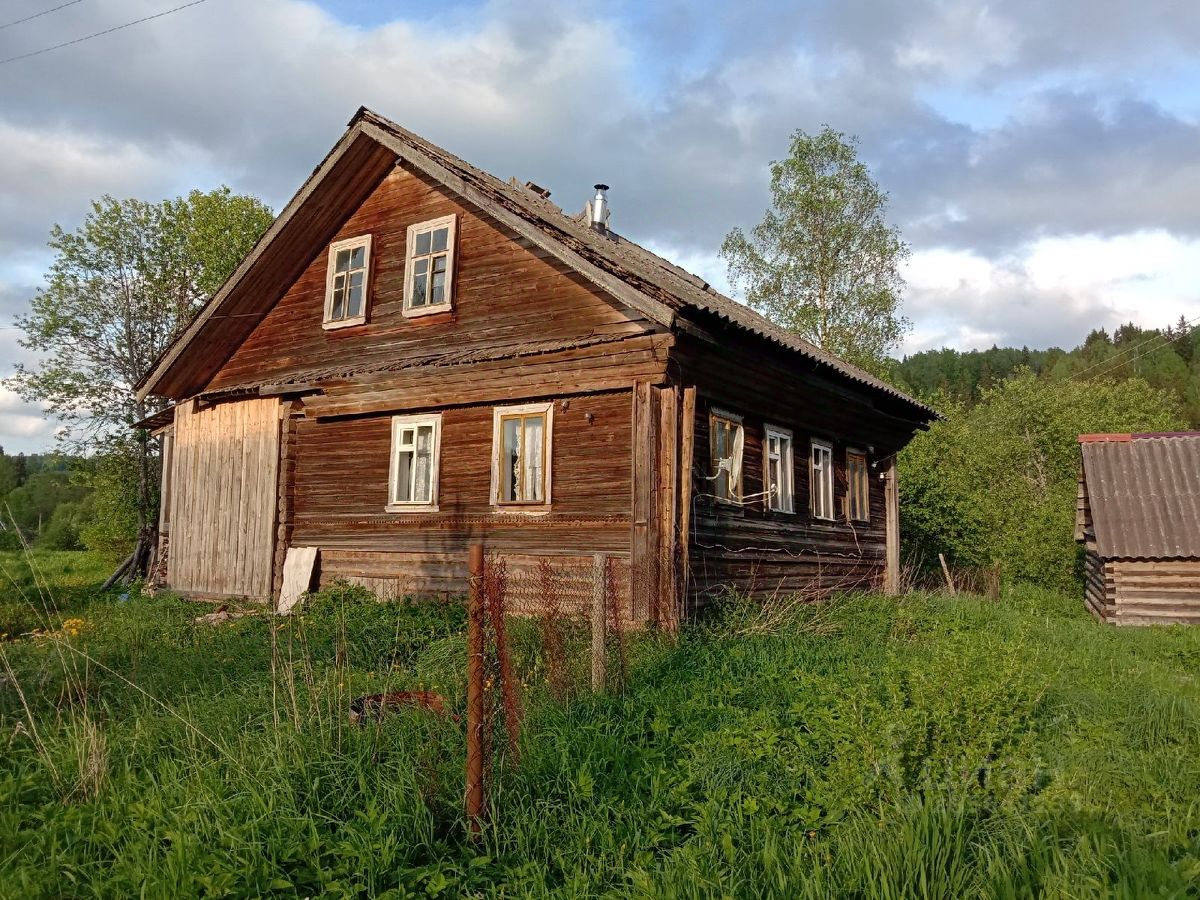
point(824, 262)
point(119, 289)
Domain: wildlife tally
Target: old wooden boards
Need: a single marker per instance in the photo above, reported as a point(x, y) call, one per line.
point(655, 531)
point(225, 462)
point(1142, 592)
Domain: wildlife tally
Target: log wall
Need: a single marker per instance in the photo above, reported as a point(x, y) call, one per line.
point(748, 547)
point(1152, 592)
point(340, 495)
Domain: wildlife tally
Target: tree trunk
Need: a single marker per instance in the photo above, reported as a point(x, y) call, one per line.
point(147, 514)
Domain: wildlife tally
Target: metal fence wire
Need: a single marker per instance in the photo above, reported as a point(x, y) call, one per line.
point(529, 628)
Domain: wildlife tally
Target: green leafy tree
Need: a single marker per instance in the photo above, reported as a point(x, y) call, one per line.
point(8, 474)
point(119, 289)
point(111, 478)
point(823, 262)
point(996, 482)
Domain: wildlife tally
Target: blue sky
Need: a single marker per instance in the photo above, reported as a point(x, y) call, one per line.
point(1042, 159)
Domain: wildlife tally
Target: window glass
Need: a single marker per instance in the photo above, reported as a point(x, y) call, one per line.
point(429, 266)
point(522, 467)
point(779, 470)
point(726, 443)
point(821, 480)
point(858, 485)
point(414, 460)
point(346, 290)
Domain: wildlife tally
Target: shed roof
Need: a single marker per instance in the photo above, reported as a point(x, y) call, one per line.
point(1144, 494)
point(649, 283)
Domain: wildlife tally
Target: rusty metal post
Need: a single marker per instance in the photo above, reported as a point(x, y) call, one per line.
point(599, 622)
point(474, 798)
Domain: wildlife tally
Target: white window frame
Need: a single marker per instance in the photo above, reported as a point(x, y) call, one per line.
point(826, 484)
point(500, 413)
point(398, 424)
point(737, 463)
point(450, 221)
point(854, 451)
point(364, 241)
point(784, 499)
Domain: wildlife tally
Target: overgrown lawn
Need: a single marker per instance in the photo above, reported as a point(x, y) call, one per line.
point(931, 747)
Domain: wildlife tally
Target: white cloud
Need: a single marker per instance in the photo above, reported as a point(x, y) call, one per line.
point(1056, 287)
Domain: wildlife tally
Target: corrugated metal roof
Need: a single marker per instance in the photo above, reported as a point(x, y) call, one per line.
point(1144, 494)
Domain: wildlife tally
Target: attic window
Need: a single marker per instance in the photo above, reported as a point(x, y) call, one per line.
point(346, 282)
point(726, 439)
point(429, 267)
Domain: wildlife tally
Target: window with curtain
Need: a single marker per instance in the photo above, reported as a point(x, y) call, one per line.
point(778, 468)
point(522, 454)
point(858, 487)
point(414, 469)
point(821, 480)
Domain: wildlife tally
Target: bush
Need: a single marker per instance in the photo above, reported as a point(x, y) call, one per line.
point(996, 482)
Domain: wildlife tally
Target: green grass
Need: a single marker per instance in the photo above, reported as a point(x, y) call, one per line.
point(929, 747)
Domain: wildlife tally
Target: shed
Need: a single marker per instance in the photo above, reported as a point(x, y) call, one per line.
point(1138, 518)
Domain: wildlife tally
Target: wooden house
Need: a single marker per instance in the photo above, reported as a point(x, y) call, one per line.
point(418, 355)
point(1138, 519)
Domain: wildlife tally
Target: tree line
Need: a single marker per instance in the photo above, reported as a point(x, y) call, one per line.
point(1165, 358)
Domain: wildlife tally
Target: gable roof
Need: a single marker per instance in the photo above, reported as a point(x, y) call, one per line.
point(633, 275)
point(1144, 494)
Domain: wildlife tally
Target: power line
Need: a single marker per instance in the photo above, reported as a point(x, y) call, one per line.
point(38, 15)
point(100, 33)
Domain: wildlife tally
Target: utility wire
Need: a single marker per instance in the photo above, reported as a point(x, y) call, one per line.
point(38, 15)
point(88, 37)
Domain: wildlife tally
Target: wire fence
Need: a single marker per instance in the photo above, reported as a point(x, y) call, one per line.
point(558, 627)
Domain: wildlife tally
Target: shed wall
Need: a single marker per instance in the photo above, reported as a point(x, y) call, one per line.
point(223, 485)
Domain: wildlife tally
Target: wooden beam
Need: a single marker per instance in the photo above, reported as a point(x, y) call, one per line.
point(644, 528)
point(687, 442)
point(891, 499)
point(666, 607)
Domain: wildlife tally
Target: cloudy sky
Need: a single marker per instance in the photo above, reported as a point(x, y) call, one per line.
point(1043, 158)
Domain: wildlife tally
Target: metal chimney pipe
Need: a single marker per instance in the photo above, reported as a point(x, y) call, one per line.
point(600, 211)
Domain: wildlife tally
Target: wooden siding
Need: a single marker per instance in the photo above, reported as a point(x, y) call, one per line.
point(225, 461)
point(505, 292)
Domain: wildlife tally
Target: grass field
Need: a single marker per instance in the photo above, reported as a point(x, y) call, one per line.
point(930, 747)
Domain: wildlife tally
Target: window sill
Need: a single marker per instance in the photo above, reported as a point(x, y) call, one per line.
point(411, 508)
point(521, 509)
point(409, 313)
point(344, 323)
